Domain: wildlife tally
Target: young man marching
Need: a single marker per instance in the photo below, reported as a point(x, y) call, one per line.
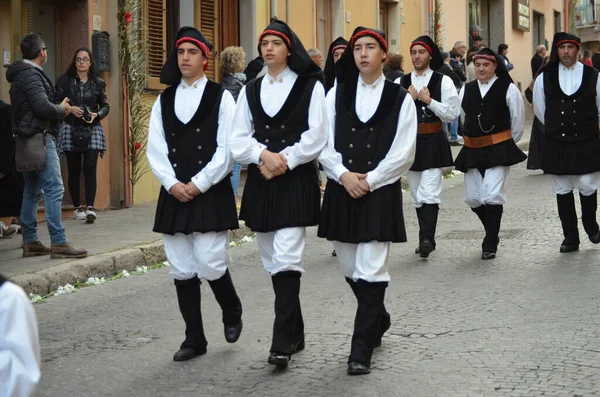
point(187, 151)
point(336, 49)
point(566, 100)
point(494, 116)
point(371, 143)
point(279, 130)
point(437, 102)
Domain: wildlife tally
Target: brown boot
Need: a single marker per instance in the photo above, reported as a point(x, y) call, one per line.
point(35, 249)
point(66, 250)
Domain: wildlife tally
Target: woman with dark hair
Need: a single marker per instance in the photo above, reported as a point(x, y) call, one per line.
point(81, 134)
point(502, 51)
point(393, 67)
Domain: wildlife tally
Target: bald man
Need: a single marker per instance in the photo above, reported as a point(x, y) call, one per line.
point(538, 59)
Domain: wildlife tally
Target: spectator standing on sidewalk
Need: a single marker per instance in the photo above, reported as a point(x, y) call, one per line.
point(11, 181)
point(81, 134)
point(502, 51)
point(470, 66)
point(537, 59)
point(31, 95)
point(394, 67)
point(474, 32)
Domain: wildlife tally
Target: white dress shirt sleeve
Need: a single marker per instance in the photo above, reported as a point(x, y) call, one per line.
point(157, 150)
point(402, 152)
point(331, 159)
point(19, 343)
point(221, 162)
point(461, 96)
point(448, 109)
point(514, 100)
point(314, 139)
point(539, 98)
point(242, 144)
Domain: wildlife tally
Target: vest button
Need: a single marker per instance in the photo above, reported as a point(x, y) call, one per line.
point(267, 140)
point(563, 101)
point(283, 141)
point(172, 134)
point(267, 126)
point(175, 165)
point(197, 129)
point(350, 146)
point(353, 129)
point(563, 134)
point(350, 161)
point(574, 112)
point(562, 123)
point(575, 134)
point(574, 123)
point(368, 163)
point(562, 112)
point(199, 161)
point(371, 129)
point(574, 100)
point(174, 150)
point(368, 146)
point(199, 147)
point(282, 127)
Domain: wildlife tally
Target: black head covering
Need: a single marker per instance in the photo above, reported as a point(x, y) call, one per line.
point(329, 71)
point(299, 61)
point(562, 38)
point(437, 61)
point(489, 54)
point(346, 69)
point(170, 73)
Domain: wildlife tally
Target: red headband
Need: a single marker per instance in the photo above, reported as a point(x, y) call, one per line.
point(337, 47)
point(203, 47)
point(429, 49)
point(377, 36)
point(484, 56)
point(278, 34)
point(567, 41)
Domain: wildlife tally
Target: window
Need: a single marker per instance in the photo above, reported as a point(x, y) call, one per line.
point(474, 13)
point(156, 17)
point(207, 27)
point(323, 26)
point(384, 18)
point(557, 22)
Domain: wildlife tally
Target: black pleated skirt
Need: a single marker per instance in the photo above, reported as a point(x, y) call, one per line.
point(377, 216)
point(573, 158)
point(289, 200)
point(502, 154)
point(433, 151)
point(536, 145)
point(212, 211)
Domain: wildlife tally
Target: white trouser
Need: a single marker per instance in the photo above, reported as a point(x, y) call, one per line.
point(198, 254)
point(586, 184)
point(282, 249)
point(425, 186)
point(365, 261)
point(488, 189)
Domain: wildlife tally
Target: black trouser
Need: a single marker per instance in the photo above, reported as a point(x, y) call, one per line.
point(428, 216)
point(74, 165)
point(288, 327)
point(490, 216)
point(188, 297)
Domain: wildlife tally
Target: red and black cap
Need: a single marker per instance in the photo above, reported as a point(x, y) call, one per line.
point(170, 73)
point(338, 44)
point(437, 61)
point(561, 38)
point(378, 35)
point(490, 55)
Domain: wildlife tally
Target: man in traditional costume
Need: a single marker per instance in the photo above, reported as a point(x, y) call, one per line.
point(336, 49)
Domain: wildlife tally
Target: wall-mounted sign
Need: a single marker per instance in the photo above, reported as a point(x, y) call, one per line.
point(521, 12)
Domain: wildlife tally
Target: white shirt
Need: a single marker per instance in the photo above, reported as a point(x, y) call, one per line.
point(569, 80)
point(448, 109)
point(274, 91)
point(19, 343)
point(514, 101)
point(402, 152)
point(187, 100)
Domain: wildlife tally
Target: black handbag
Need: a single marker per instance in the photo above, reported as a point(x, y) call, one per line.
point(81, 138)
point(30, 153)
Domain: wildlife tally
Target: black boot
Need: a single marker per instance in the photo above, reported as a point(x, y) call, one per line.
point(568, 218)
point(418, 249)
point(230, 306)
point(286, 327)
point(427, 225)
point(589, 205)
point(493, 219)
point(366, 325)
point(480, 211)
point(188, 296)
point(386, 320)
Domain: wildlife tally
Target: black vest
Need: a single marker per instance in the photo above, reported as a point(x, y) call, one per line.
point(286, 127)
point(571, 118)
point(2, 280)
point(364, 145)
point(425, 115)
point(488, 115)
point(191, 145)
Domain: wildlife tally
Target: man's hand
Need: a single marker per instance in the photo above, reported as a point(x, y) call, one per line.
point(355, 184)
point(413, 92)
point(264, 171)
point(65, 104)
point(192, 189)
point(179, 191)
point(94, 115)
point(77, 111)
point(425, 95)
point(275, 163)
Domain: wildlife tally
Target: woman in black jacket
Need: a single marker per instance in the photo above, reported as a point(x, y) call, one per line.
point(81, 134)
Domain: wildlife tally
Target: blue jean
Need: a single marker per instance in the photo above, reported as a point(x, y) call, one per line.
point(454, 130)
point(50, 182)
point(235, 176)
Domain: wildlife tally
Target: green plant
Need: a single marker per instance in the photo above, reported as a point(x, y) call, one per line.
point(438, 29)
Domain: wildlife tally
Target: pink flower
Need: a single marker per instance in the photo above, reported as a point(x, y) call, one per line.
point(128, 17)
point(138, 146)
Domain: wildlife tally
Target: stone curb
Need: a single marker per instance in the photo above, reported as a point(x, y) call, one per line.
point(44, 281)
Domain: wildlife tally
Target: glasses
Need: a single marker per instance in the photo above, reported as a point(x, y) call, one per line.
point(82, 60)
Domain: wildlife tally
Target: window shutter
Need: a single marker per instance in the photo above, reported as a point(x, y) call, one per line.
point(156, 12)
point(207, 27)
point(28, 17)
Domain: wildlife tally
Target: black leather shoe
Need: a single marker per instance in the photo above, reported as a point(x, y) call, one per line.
point(488, 255)
point(595, 238)
point(187, 353)
point(333, 253)
point(564, 248)
point(298, 346)
point(418, 250)
point(425, 248)
point(281, 360)
point(355, 368)
point(233, 332)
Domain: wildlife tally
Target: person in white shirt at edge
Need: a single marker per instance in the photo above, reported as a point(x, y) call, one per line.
point(19, 342)
point(371, 143)
point(187, 151)
point(437, 102)
point(493, 116)
point(279, 130)
point(566, 99)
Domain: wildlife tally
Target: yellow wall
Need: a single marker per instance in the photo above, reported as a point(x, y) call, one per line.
point(413, 11)
point(362, 13)
point(302, 21)
point(455, 22)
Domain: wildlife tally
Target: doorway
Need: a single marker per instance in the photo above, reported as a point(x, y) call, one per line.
point(41, 17)
point(537, 31)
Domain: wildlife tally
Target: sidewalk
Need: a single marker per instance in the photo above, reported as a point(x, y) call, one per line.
point(118, 240)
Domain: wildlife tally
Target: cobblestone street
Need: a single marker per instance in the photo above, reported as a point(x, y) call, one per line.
point(524, 324)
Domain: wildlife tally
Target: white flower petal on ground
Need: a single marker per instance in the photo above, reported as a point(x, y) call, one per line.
point(125, 273)
point(35, 298)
